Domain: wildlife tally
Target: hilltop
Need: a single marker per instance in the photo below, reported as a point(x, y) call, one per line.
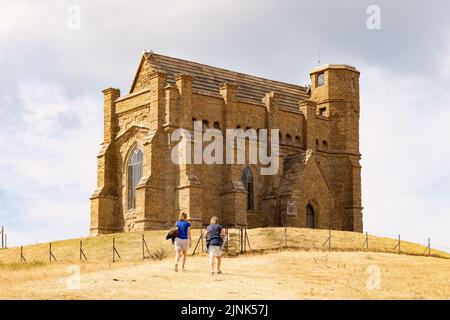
point(303, 270)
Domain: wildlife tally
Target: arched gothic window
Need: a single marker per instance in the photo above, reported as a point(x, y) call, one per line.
point(247, 180)
point(205, 125)
point(310, 216)
point(320, 79)
point(288, 139)
point(134, 172)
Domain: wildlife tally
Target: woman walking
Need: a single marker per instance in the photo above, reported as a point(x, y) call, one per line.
point(214, 238)
point(182, 241)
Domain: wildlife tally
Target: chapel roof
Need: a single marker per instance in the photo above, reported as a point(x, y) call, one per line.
point(207, 80)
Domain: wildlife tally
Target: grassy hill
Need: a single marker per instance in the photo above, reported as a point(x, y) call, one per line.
point(305, 269)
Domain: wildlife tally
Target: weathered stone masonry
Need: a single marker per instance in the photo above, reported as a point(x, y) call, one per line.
point(319, 181)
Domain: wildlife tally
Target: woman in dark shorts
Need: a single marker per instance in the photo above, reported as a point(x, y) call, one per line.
point(214, 236)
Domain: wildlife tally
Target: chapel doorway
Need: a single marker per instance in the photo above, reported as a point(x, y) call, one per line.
point(310, 216)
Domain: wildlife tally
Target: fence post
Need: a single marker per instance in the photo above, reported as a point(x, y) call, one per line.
point(285, 237)
point(240, 241)
point(143, 252)
point(198, 242)
point(50, 255)
point(228, 238)
point(144, 247)
point(244, 237)
point(115, 251)
point(367, 241)
point(247, 240)
point(82, 255)
point(22, 258)
point(3, 243)
point(201, 232)
point(329, 239)
point(6, 241)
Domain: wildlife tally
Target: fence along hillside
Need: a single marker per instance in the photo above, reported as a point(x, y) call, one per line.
point(152, 245)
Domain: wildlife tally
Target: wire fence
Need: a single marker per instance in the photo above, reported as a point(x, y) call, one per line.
point(436, 242)
point(237, 240)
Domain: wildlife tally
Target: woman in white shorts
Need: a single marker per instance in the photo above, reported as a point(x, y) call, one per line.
point(183, 241)
point(214, 237)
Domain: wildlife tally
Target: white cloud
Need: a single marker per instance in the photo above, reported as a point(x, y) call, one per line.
point(51, 159)
point(404, 130)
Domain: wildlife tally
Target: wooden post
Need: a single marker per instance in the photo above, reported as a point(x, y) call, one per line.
point(6, 241)
point(144, 247)
point(22, 258)
point(285, 237)
point(114, 250)
point(3, 243)
point(143, 252)
point(241, 244)
point(82, 255)
point(50, 254)
point(329, 239)
point(198, 242)
point(201, 234)
point(367, 241)
point(397, 246)
point(247, 239)
point(240, 241)
point(228, 238)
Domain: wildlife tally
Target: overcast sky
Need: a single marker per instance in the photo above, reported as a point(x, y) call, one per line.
point(52, 74)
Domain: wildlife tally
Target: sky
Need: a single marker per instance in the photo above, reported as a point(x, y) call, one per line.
point(57, 56)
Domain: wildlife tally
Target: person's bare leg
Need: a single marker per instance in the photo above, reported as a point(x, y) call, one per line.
point(177, 259)
point(219, 260)
point(184, 258)
point(211, 263)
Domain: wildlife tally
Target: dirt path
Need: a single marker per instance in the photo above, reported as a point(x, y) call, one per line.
point(279, 275)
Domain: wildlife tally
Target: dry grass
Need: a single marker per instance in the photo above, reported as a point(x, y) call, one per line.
point(305, 270)
point(276, 275)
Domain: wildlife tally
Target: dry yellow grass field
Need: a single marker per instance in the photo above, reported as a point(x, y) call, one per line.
point(303, 270)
